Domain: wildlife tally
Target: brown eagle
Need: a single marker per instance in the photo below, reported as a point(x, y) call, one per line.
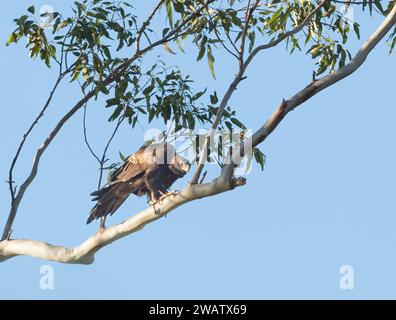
point(149, 171)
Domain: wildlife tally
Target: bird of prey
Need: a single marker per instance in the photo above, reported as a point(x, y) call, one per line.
point(149, 171)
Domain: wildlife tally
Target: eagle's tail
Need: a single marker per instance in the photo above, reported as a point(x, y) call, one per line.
point(109, 200)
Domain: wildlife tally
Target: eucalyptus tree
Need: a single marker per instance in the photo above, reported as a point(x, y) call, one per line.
point(102, 47)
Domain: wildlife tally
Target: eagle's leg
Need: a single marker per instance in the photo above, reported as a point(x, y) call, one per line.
point(153, 201)
point(102, 223)
point(158, 189)
point(153, 197)
point(154, 185)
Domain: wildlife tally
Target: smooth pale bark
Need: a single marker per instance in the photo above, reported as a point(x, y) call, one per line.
point(84, 253)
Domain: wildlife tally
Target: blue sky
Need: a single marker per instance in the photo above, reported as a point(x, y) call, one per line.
point(325, 199)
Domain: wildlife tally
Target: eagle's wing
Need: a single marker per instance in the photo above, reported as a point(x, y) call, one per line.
point(137, 163)
point(123, 180)
point(133, 166)
point(111, 197)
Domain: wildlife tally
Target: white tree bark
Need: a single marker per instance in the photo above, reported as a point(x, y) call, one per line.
point(84, 253)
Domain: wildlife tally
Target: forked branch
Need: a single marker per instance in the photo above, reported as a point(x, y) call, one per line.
point(112, 77)
point(84, 254)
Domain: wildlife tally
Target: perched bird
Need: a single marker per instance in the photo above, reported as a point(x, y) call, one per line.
point(149, 171)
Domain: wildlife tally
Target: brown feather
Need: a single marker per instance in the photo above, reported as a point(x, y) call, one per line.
point(145, 172)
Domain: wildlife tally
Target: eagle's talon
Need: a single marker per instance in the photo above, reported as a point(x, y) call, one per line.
point(168, 194)
point(152, 204)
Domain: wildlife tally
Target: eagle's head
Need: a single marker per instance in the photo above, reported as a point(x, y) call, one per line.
point(166, 154)
point(179, 165)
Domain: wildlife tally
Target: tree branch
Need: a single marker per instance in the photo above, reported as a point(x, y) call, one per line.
point(147, 23)
point(239, 77)
point(84, 254)
point(248, 15)
point(316, 86)
point(110, 79)
point(285, 35)
point(25, 136)
point(103, 159)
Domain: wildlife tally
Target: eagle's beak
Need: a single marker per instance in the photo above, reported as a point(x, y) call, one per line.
point(186, 166)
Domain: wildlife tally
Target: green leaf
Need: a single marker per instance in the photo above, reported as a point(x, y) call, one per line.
point(75, 76)
point(31, 9)
point(179, 45)
point(106, 51)
point(198, 95)
point(116, 113)
point(357, 30)
point(11, 39)
point(259, 157)
point(211, 62)
point(112, 102)
point(213, 98)
point(392, 45)
point(202, 46)
point(379, 6)
point(122, 157)
point(179, 7)
point(64, 23)
point(151, 114)
point(169, 12)
point(252, 38)
point(275, 16)
point(81, 7)
point(165, 31)
point(238, 123)
point(202, 50)
point(229, 125)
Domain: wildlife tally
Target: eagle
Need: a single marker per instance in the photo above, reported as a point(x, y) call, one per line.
point(149, 171)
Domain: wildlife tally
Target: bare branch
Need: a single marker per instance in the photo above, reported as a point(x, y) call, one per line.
point(318, 85)
point(110, 79)
point(86, 135)
point(202, 159)
point(36, 161)
point(216, 32)
point(25, 136)
point(248, 15)
point(238, 78)
point(147, 23)
point(284, 35)
point(103, 159)
point(84, 254)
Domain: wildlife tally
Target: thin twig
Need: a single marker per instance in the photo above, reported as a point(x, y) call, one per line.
point(232, 87)
point(85, 253)
point(25, 136)
point(103, 159)
point(147, 23)
point(285, 35)
point(248, 15)
point(110, 79)
point(203, 177)
point(86, 135)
